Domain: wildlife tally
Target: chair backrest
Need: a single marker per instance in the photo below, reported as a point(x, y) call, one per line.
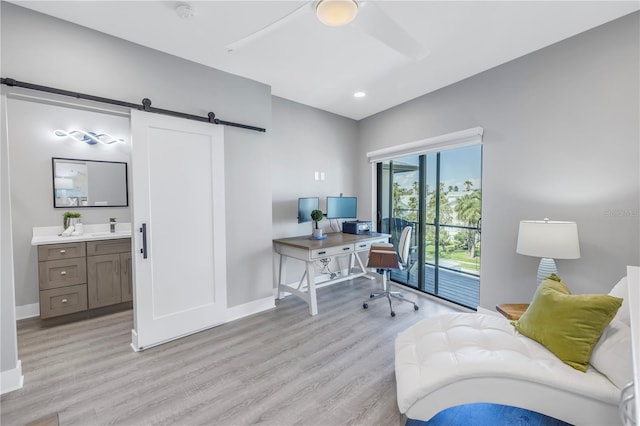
point(405, 244)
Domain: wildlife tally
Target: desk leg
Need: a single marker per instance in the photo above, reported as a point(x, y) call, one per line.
point(282, 276)
point(352, 262)
point(365, 271)
point(311, 289)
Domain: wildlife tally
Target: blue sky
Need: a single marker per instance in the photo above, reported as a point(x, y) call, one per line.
point(456, 166)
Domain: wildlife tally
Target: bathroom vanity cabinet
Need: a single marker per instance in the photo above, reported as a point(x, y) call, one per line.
point(109, 272)
point(83, 275)
point(62, 273)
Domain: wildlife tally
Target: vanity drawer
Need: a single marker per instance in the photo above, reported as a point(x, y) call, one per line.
point(62, 301)
point(331, 251)
point(95, 248)
point(61, 273)
point(61, 251)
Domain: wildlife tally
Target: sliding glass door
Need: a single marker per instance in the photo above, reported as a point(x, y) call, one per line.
point(439, 195)
point(398, 191)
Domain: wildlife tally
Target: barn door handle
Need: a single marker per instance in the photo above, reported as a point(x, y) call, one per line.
point(143, 250)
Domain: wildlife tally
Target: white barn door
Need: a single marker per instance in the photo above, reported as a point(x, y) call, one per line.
point(178, 202)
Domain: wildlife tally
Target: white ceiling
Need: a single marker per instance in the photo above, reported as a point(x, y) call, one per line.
point(308, 62)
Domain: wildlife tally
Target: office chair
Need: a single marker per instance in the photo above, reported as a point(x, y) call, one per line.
point(384, 258)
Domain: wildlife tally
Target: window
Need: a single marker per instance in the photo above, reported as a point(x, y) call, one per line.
point(439, 194)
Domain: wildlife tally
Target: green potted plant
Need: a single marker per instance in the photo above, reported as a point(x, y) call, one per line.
point(317, 216)
point(70, 218)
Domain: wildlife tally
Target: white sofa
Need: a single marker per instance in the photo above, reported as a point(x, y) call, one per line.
point(464, 358)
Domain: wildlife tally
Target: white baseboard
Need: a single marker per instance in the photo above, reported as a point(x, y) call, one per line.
point(27, 311)
point(33, 310)
point(246, 309)
point(11, 380)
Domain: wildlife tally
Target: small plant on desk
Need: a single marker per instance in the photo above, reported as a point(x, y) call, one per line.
point(317, 216)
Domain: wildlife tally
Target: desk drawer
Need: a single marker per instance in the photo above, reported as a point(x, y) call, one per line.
point(62, 301)
point(366, 245)
point(332, 251)
point(61, 273)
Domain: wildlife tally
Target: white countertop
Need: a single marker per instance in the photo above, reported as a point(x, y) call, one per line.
point(51, 234)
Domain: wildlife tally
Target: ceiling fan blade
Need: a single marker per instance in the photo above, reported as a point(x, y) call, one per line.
point(380, 26)
point(295, 14)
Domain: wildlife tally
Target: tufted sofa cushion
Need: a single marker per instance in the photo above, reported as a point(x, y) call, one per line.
point(442, 350)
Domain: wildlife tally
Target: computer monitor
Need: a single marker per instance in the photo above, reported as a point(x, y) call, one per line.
point(342, 207)
point(305, 206)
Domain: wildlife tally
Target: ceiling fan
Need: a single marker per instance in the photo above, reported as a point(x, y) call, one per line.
point(370, 19)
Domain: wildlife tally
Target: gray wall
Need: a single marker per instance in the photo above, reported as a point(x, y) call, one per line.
point(86, 61)
point(307, 140)
point(561, 141)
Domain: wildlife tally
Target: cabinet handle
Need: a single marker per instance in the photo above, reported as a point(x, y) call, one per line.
point(322, 252)
point(63, 272)
point(63, 251)
point(117, 266)
point(363, 245)
point(346, 248)
point(64, 300)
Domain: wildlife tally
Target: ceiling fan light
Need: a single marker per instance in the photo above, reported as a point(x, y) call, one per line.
point(336, 12)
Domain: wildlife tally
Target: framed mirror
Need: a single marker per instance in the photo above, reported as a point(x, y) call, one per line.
point(89, 183)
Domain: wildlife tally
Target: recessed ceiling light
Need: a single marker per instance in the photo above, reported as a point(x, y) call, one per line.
point(359, 95)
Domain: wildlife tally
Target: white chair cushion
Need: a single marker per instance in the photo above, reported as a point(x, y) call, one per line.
point(442, 350)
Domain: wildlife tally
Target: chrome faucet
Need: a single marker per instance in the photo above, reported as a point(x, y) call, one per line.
point(112, 224)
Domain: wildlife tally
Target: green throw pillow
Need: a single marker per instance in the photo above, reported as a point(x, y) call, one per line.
point(569, 325)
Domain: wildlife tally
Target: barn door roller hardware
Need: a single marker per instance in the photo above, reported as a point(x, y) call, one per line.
point(144, 106)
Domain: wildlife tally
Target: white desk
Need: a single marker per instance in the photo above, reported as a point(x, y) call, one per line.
point(309, 251)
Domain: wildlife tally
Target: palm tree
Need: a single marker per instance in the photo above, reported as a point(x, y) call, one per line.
point(467, 185)
point(445, 209)
point(468, 208)
point(398, 193)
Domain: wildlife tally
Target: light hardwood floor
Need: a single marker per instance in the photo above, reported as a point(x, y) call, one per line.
point(281, 367)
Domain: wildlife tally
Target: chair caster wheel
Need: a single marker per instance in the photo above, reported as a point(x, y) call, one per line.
point(365, 306)
point(393, 314)
point(416, 307)
point(371, 296)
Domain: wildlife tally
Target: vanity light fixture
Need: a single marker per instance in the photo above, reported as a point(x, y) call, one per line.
point(89, 137)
